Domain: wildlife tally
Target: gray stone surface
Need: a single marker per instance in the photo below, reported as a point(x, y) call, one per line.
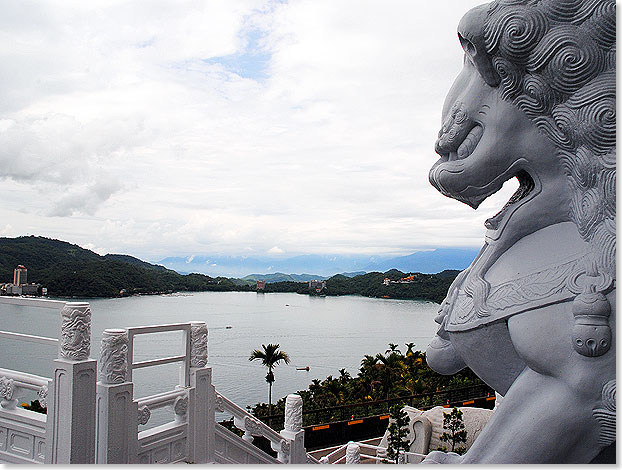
point(425, 427)
point(534, 315)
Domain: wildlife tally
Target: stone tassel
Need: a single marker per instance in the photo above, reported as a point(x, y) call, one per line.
point(591, 333)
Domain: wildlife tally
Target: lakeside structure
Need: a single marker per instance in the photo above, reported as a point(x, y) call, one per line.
point(317, 287)
point(20, 284)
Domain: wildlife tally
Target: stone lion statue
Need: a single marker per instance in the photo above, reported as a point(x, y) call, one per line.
point(534, 314)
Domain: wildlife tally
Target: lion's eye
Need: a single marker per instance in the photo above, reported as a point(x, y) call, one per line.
point(467, 45)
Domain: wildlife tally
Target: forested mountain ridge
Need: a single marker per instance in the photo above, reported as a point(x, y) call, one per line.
point(71, 271)
point(431, 287)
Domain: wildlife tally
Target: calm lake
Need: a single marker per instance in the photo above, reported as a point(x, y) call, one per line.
point(324, 333)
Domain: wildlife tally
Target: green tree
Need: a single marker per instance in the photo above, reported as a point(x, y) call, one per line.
point(270, 357)
point(397, 441)
point(390, 367)
point(455, 433)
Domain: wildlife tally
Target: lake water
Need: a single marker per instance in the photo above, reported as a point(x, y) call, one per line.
point(324, 333)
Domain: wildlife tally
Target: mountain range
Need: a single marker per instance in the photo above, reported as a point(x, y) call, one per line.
point(68, 270)
point(322, 266)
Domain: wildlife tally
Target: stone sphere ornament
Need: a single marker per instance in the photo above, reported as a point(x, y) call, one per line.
point(534, 314)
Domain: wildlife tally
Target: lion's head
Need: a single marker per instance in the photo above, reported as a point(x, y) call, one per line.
point(536, 101)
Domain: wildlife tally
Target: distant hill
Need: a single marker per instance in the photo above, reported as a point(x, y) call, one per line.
point(281, 277)
point(71, 271)
point(135, 261)
point(242, 266)
point(433, 261)
point(432, 287)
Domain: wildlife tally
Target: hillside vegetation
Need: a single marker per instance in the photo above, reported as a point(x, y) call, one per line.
point(70, 271)
point(391, 374)
point(424, 286)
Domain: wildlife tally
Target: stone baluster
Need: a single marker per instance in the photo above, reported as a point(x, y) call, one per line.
point(293, 432)
point(381, 453)
point(353, 453)
point(117, 413)
point(71, 402)
point(204, 421)
point(7, 389)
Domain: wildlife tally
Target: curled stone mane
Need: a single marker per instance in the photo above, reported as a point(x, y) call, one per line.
point(556, 61)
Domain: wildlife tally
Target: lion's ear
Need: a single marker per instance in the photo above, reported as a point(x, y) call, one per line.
point(471, 35)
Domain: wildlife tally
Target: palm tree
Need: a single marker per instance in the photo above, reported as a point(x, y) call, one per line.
point(391, 366)
point(270, 357)
point(344, 376)
point(392, 349)
point(410, 347)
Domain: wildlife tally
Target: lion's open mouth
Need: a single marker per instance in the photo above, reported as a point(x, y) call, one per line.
point(462, 174)
point(526, 185)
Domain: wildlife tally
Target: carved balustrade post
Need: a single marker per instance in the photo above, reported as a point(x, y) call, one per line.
point(204, 419)
point(7, 389)
point(381, 453)
point(71, 401)
point(353, 453)
point(117, 413)
point(293, 432)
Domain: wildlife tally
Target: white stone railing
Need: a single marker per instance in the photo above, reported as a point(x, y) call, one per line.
point(11, 382)
point(66, 434)
point(253, 427)
point(90, 421)
point(355, 452)
point(120, 413)
point(288, 444)
point(184, 358)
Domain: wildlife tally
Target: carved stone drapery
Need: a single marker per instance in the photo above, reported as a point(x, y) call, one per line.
point(285, 447)
point(252, 426)
point(113, 357)
point(606, 416)
point(144, 413)
point(75, 341)
point(293, 413)
point(7, 388)
point(219, 403)
point(181, 406)
point(198, 344)
point(43, 396)
point(353, 454)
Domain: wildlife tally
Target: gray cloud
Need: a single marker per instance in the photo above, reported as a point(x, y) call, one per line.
point(129, 114)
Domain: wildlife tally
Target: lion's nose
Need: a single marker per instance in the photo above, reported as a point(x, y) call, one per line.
point(438, 148)
point(452, 130)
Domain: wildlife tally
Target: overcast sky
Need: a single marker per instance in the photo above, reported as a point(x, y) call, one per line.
point(168, 128)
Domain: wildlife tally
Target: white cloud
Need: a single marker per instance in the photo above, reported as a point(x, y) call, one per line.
point(275, 250)
point(7, 230)
point(127, 122)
